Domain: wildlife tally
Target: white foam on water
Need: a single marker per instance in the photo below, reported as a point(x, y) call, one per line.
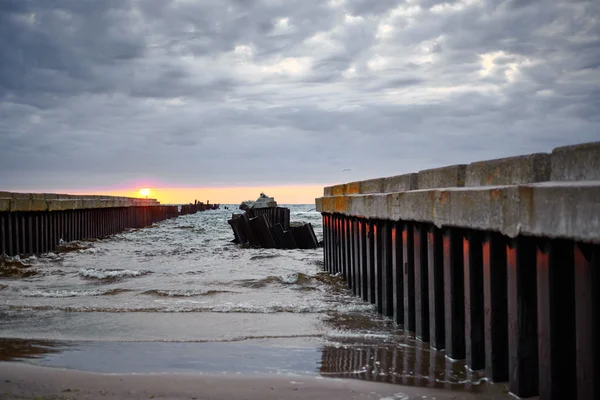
point(110, 273)
point(61, 293)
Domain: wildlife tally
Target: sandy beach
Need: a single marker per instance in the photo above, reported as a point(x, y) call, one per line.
point(23, 381)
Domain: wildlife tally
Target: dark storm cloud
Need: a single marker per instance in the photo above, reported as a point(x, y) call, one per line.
point(99, 93)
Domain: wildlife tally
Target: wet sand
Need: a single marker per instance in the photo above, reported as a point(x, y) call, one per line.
point(22, 381)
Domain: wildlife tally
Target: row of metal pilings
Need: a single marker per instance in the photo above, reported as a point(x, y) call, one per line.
point(26, 233)
point(524, 309)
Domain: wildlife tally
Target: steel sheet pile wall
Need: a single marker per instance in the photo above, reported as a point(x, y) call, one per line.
point(196, 207)
point(274, 215)
point(36, 223)
point(494, 262)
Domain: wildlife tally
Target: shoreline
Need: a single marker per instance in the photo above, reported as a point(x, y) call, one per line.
point(24, 381)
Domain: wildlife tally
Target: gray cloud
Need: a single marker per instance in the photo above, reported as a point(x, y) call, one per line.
point(257, 92)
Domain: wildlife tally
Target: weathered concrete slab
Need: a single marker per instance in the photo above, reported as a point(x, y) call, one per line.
point(551, 209)
point(452, 176)
point(4, 204)
point(371, 186)
point(10, 201)
point(576, 163)
point(531, 168)
point(400, 183)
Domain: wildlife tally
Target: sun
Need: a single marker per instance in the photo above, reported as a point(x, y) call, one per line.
point(145, 192)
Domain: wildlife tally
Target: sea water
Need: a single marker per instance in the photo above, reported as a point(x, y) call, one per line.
point(180, 296)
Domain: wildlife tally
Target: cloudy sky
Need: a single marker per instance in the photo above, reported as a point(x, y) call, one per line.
point(205, 93)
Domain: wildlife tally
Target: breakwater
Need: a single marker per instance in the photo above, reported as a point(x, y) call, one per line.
point(495, 262)
point(34, 223)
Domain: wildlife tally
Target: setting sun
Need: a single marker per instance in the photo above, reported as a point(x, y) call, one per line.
point(145, 192)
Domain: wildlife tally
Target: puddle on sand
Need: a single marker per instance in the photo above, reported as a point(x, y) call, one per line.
point(401, 364)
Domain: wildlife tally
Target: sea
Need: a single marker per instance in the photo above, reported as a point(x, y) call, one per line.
point(180, 296)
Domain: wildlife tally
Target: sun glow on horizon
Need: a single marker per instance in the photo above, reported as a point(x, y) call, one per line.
point(289, 194)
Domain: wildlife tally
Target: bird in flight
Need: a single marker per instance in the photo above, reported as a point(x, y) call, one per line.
point(347, 169)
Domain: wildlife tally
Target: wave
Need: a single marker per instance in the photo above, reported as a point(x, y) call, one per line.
point(62, 293)
point(292, 279)
point(92, 273)
point(15, 267)
point(264, 256)
point(67, 247)
point(184, 293)
point(233, 308)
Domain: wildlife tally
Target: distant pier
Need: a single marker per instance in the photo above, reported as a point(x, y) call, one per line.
point(34, 223)
point(494, 262)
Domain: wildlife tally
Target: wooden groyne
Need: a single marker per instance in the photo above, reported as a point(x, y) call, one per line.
point(33, 223)
point(495, 262)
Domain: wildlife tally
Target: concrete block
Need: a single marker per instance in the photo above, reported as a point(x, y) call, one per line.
point(400, 183)
point(452, 176)
point(339, 190)
point(328, 191)
point(319, 204)
point(39, 205)
point(531, 168)
point(50, 196)
point(88, 203)
point(353, 188)
point(576, 163)
point(417, 205)
point(371, 186)
point(4, 204)
point(569, 211)
point(23, 196)
point(20, 204)
point(5, 195)
point(37, 196)
point(340, 204)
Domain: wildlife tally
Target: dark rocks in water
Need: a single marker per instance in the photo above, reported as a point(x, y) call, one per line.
point(271, 228)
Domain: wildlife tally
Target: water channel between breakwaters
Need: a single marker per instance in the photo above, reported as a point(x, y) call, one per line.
point(180, 297)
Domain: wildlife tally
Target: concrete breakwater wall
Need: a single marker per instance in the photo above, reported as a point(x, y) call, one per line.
point(494, 262)
point(33, 223)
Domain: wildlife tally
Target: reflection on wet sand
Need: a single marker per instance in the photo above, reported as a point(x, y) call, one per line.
point(413, 364)
point(21, 349)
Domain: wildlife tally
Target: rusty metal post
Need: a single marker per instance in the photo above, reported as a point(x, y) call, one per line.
point(378, 264)
point(356, 258)
point(325, 242)
point(495, 307)
point(587, 290)
point(397, 272)
point(349, 253)
point(343, 246)
point(363, 265)
point(556, 319)
point(370, 225)
point(387, 275)
point(435, 273)
point(10, 234)
point(454, 311)
point(36, 233)
point(409, 276)
point(522, 317)
point(474, 318)
point(421, 282)
point(3, 237)
point(23, 231)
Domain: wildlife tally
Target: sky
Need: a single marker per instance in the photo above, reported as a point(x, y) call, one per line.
point(228, 98)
